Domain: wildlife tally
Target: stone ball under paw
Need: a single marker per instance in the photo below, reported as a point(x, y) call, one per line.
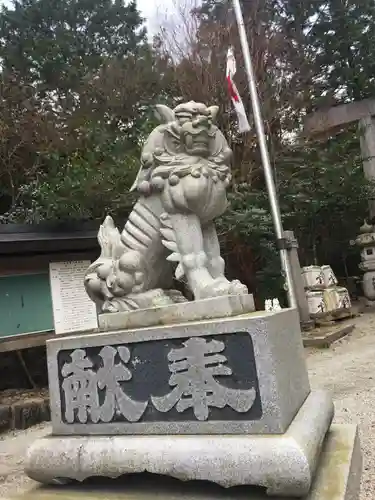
point(130, 261)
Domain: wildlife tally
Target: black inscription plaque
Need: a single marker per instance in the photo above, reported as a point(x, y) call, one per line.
point(210, 378)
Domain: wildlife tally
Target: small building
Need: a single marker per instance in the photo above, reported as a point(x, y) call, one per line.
point(25, 295)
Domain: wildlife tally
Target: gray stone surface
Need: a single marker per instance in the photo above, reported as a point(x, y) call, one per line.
point(299, 288)
point(266, 354)
point(284, 465)
point(366, 242)
point(217, 307)
point(339, 473)
point(182, 182)
point(332, 119)
point(337, 478)
point(367, 142)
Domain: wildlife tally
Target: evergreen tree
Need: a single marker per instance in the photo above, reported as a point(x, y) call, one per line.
point(90, 78)
point(56, 43)
point(332, 48)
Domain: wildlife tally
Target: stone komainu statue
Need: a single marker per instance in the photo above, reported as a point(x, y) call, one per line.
point(182, 181)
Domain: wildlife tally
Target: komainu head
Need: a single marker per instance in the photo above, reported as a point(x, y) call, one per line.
point(193, 125)
point(188, 135)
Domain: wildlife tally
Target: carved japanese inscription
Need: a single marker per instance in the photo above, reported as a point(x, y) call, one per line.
point(191, 379)
point(193, 368)
point(81, 387)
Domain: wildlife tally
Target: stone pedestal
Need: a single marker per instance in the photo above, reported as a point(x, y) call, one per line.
point(258, 372)
point(283, 464)
point(224, 400)
point(337, 478)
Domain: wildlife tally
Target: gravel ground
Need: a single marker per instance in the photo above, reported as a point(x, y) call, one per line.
point(346, 369)
point(13, 446)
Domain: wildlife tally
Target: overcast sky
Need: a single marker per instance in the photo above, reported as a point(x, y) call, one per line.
point(155, 11)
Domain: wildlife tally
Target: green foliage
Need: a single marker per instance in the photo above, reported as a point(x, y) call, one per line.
point(54, 43)
point(323, 195)
point(331, 47)
point(84, 184)
point(343, 41)
point(78, 83)
point(248, 238)
point(323, 198)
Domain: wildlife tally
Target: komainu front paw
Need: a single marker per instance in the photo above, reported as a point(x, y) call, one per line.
point(238, 288)
point(221, 286)
point(216, 288)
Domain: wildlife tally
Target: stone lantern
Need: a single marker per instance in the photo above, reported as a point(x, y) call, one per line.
point(366, 242)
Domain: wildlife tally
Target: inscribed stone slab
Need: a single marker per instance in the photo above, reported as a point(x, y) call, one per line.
point(234, 375)
point(73, 311)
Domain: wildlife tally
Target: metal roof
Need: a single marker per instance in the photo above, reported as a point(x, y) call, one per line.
point(48, 237)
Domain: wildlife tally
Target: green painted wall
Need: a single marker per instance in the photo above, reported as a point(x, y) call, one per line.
point(25, 304)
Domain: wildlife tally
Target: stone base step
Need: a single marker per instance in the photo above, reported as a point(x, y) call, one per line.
point(283, 464)
point(337, 478)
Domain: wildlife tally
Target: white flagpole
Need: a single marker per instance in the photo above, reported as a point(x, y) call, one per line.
point(275, 209)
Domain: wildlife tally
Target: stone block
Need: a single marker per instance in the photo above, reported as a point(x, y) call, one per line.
point(45, 411)
point(217, 307)
point(339, 473)
point(337, 478)
point(237, 375)
point(25, 415)
point(284, 465)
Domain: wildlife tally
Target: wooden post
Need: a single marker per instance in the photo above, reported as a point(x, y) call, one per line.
point(299, 287)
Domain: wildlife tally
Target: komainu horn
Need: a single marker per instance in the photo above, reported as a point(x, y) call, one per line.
point(182, 181)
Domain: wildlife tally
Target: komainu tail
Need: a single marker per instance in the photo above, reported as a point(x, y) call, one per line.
point(109, 239)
